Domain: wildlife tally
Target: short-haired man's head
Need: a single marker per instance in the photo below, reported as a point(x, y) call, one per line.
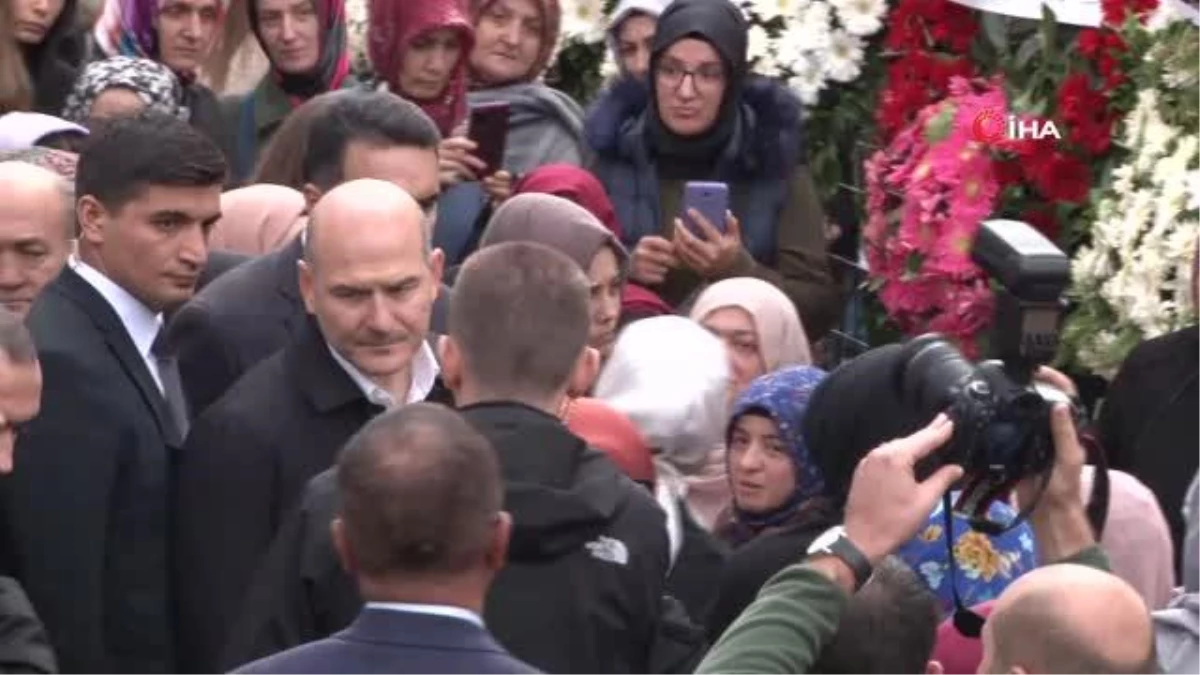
point(1069, 619)
point(889, 626)
point(373, 118)
point(519, 316)
point(421, 494)
point(37, 222)
point(148, 191)
point(20, 383)
point(125, 155)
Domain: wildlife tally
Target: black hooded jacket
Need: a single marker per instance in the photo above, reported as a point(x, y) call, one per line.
point(582, 590)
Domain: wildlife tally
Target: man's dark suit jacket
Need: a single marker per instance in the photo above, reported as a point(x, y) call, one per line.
point(245, 463)
point(90, 504)
point(241, 318)
point(388, 641)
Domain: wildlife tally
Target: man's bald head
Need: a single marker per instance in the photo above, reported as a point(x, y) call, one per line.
point(370, 278)
point(37, 222)
point(33, 184)
point(1069, 619)
point(360, 210)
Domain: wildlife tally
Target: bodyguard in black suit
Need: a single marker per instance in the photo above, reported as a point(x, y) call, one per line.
point(252, 312)
point(421, 528)
point(90, 506)
point(370, 280)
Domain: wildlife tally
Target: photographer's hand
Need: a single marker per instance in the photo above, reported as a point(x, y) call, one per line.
point(887, 505)
point(1059, 519)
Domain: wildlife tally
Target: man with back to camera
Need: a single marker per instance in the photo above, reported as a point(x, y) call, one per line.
point(90, 505)
point(37, 223)
point(369, 279)
point(249, 314)
point(24, 646)
point(582, 590)
point(421, 529)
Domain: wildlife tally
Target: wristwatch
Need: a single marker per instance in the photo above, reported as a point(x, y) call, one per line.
point(834, 542)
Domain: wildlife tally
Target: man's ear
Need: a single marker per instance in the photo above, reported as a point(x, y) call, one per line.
point(337, 531)
point(312, 195)
point(497, 553)
point(587, 369)
point(933, 667)
point(437, 266)
point(451, 363)
point(308, 284)
point(92, 217)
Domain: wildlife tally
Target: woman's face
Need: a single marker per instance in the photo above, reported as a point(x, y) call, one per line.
point(428, 64)
point(116, 102)
point(689, 85)
point(605, 276)
point(33, 19)
point(736, 329)
point(761, 472)
point(634, 39)
point(508, 39)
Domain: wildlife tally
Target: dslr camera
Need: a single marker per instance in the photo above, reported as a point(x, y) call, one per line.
point(1001, 418)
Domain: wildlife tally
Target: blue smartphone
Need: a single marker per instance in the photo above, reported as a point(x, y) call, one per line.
point(710, 200)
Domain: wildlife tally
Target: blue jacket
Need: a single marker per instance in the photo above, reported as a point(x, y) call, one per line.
point(388, 641)
point(758, 163)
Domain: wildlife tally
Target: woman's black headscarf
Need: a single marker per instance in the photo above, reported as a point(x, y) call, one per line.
point(721, 24)
point(854, 410)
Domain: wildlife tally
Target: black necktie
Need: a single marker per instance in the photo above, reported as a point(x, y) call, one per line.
point(168, 373)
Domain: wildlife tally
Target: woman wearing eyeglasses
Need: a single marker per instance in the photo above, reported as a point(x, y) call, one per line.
point(701, 116)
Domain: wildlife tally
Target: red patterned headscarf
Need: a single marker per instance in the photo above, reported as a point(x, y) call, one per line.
point(551, 25)
point(333, 65)
point(395, 24)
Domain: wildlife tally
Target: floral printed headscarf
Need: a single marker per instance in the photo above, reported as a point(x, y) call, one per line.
point(153, 82)
point(395, 24)
point(127, 28)
point(333, 64)
point(783, 397)
point(986, 564)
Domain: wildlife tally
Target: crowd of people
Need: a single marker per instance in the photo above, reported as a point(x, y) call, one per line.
point(295, 381)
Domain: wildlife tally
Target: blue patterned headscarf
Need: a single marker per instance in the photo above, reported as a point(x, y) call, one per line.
point(986, 564)
point(783, 396)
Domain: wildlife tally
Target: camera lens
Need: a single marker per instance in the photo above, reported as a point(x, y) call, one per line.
point(935, 374)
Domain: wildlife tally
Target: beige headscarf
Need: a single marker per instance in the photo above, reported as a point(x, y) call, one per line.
point(555, 222)
point(258, 219)
point(781, 343)
point(1136, 538)
point(781, 338)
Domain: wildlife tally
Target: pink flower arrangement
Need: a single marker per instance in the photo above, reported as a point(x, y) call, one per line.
point(927, 193)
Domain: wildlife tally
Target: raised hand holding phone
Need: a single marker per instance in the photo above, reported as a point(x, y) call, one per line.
point(715, 253)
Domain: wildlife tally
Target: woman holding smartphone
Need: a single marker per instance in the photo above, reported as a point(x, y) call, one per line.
point(514, 43)
point(702, 117)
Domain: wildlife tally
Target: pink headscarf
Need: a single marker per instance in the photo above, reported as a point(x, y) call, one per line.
point(959, 654)
point(1136, 537)
point(781, 338)
point(258, 219)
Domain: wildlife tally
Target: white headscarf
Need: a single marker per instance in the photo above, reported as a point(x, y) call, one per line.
point(671, 377)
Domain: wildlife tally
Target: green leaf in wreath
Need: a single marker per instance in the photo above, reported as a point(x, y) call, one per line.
point(1049, 31)
point(996, 30)
point(940, 125)
point(1028, 49)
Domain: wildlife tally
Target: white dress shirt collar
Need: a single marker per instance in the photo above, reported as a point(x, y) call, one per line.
point(424, 368)
point(433, 610)
point(140, 321)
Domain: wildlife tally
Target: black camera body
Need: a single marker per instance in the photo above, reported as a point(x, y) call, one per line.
point(1001, 420)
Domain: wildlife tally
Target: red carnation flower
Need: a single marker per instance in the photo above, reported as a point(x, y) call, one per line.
point(1061, 177)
